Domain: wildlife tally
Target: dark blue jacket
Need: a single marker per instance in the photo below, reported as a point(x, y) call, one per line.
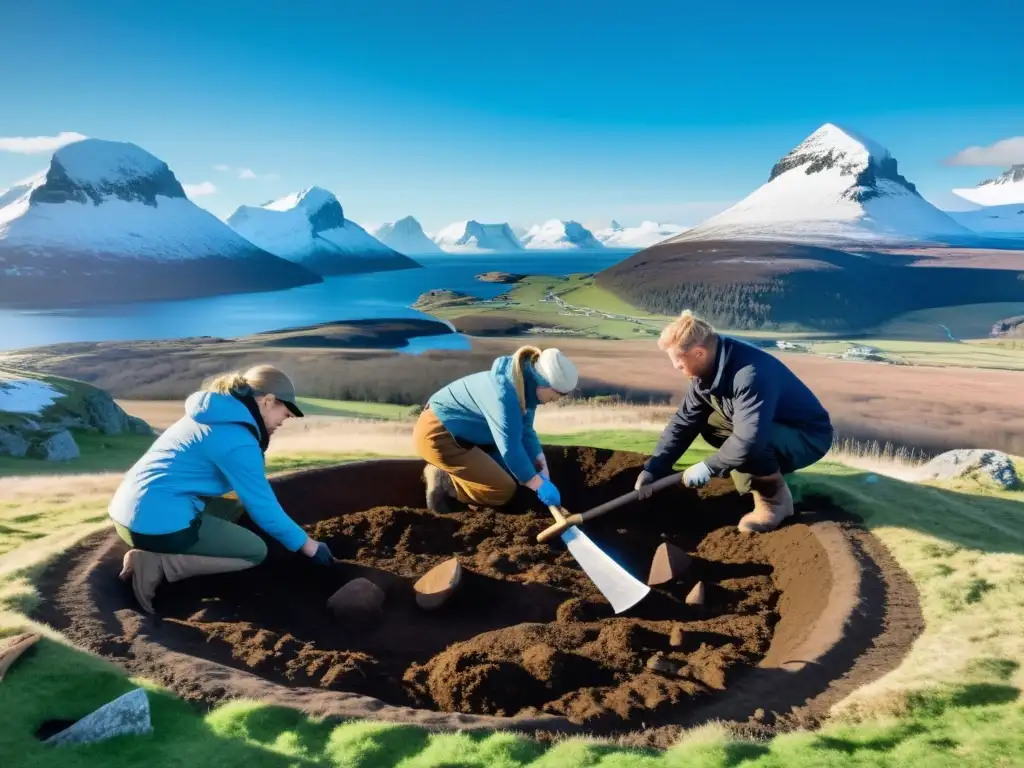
point(752, 389)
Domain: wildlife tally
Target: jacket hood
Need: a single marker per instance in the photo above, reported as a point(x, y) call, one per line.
point(214, 408)
point(501, 369)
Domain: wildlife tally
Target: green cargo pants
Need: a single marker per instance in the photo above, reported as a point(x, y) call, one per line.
point(214, 534)
point(788, 450)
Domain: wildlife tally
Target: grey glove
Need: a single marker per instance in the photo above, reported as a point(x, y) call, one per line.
point(643, 483)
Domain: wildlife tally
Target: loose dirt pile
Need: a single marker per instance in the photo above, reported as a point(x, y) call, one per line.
point(526, 635)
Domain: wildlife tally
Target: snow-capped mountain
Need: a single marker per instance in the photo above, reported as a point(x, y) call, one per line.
point(474, 237)
point(1006, 189)
point(406, 236)
point(310, 228)
point(645, 235)
point(110, 222)
point(1005, 221)
point(835, 187)
point(559, 235)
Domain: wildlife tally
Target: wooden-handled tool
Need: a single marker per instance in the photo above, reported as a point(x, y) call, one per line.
point(621, 589)
point(563, 521)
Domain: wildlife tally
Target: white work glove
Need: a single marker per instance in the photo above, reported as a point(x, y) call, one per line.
point(697, 475)
point(642, 486)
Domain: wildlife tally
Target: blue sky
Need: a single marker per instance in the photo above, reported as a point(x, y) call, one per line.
point(518, 111)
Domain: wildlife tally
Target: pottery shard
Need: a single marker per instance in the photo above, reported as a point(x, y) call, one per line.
point(676, 638)
point(359, 597)
point(669, 563)
point(696, 596)
point(438, 584)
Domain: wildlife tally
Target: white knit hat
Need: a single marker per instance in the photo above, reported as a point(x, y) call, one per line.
point(558, 370)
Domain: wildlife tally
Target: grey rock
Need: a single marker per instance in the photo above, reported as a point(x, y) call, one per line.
point(58, 446)
point(128, 714)
point(140, 427)
point(12, 443)
point(993, 465)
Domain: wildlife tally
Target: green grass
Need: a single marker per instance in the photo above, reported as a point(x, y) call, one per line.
point(524, 303)
point(955, 701)
point(100, 453)
point(966, 321)
point(353, 409)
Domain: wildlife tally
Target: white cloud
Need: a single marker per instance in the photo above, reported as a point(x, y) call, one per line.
point(248, 174)
point(1002, 153)
point(200, 189)
point(36, 145)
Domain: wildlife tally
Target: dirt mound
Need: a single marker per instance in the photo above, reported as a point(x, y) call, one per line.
point(526, 641)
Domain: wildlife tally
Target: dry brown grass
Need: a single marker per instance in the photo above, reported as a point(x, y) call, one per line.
point(933, 409)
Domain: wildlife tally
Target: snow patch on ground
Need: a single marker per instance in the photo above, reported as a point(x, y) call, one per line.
point(23, 395)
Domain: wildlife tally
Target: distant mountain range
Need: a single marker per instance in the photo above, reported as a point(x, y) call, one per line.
point(406, 236)
point(310, 228)
point(836, 239)
point(110, 222)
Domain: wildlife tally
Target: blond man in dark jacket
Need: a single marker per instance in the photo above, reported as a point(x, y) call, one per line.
point(764, 421)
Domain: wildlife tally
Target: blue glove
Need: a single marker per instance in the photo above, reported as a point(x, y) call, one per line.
point(323, 555)
point(549, 494)
point(697, 475)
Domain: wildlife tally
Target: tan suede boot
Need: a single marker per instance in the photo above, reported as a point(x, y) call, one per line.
point(440, 489)
point(773, 503)
point(147, 570)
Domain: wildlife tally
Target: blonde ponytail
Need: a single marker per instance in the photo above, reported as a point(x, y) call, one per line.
point(229, 383)
point(529, 355)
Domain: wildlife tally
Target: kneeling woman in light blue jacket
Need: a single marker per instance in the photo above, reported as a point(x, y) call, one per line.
point(171, 506)
point(477, 435)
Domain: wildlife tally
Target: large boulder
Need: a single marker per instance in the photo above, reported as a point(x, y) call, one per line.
point(994, 466)
point(55, 446)
point(37, 412)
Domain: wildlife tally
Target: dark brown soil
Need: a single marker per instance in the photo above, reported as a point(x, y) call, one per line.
point(526, 641)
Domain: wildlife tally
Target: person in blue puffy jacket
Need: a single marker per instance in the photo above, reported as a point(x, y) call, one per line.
point(477, 434)
point(174, 506)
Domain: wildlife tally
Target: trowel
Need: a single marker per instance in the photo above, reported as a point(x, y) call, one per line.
point(620, 589)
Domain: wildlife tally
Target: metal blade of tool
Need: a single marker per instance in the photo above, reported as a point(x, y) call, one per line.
point(621, 589)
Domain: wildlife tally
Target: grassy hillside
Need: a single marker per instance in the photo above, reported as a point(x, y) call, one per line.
point(955, 701)
point(780, 286)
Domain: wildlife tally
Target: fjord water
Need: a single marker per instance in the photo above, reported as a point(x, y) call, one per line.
point(347, 297)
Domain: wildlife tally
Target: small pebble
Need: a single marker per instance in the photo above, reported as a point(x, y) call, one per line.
point(676, 638)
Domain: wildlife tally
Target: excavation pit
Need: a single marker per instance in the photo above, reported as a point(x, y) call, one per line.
point(792, 620)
